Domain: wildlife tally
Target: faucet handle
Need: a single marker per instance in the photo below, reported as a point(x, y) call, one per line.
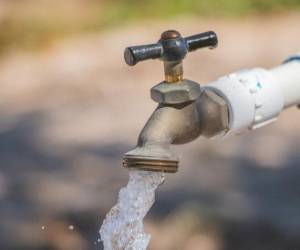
point(171, 49)
point(207, 39)
point(135, 54)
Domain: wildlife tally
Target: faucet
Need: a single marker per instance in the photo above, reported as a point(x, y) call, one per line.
point(235, 103)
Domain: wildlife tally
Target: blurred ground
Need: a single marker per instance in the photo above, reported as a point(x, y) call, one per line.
point(69, 113)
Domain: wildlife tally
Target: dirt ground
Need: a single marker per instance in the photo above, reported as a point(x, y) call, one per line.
point(69, 113)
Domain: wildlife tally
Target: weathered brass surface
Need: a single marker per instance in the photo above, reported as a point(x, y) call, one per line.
point(172, 124)
point(151, 165)
point(184, 110)
point(173, 72)
point(182, 92)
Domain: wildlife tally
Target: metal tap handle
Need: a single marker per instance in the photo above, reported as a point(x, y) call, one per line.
point(202, 40)
point(171, 47)
point(135, 54)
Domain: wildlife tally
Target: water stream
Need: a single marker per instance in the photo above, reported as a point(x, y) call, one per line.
point(123, 227)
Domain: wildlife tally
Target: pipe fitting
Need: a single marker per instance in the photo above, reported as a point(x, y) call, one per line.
point(214, 111)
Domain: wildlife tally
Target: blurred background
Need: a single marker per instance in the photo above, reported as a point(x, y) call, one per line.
point(70, 108)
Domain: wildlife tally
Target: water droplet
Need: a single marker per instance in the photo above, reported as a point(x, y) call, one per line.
point(43, 227)
point(71, 227)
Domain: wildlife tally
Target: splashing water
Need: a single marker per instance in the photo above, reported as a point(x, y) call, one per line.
point(123, 227)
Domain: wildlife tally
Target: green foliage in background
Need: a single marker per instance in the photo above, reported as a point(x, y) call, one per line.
point(31, 24)
point(160, 8)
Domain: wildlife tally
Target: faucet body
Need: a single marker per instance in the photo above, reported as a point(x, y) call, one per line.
point(240, 101)
point(177, 120)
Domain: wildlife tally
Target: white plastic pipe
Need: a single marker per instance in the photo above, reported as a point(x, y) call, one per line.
point(256, 97)
point(288, 77)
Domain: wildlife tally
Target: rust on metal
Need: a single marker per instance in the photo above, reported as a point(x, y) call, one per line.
point(170, 34)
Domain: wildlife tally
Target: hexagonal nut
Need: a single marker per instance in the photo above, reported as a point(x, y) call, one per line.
point(176, 93)
point(215, 113)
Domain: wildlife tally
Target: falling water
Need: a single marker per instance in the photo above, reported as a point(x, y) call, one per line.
point(123, 227)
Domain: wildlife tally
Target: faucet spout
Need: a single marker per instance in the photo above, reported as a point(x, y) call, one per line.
point(169, 124)
point(173, 124)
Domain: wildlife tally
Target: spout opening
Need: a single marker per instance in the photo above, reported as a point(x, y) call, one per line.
point(152, 157)
point(151, 164)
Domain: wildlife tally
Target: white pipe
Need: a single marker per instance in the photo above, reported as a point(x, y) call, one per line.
point(256, 97)
point(288, 77)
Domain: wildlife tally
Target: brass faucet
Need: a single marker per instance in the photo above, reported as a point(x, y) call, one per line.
point(185, 110)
